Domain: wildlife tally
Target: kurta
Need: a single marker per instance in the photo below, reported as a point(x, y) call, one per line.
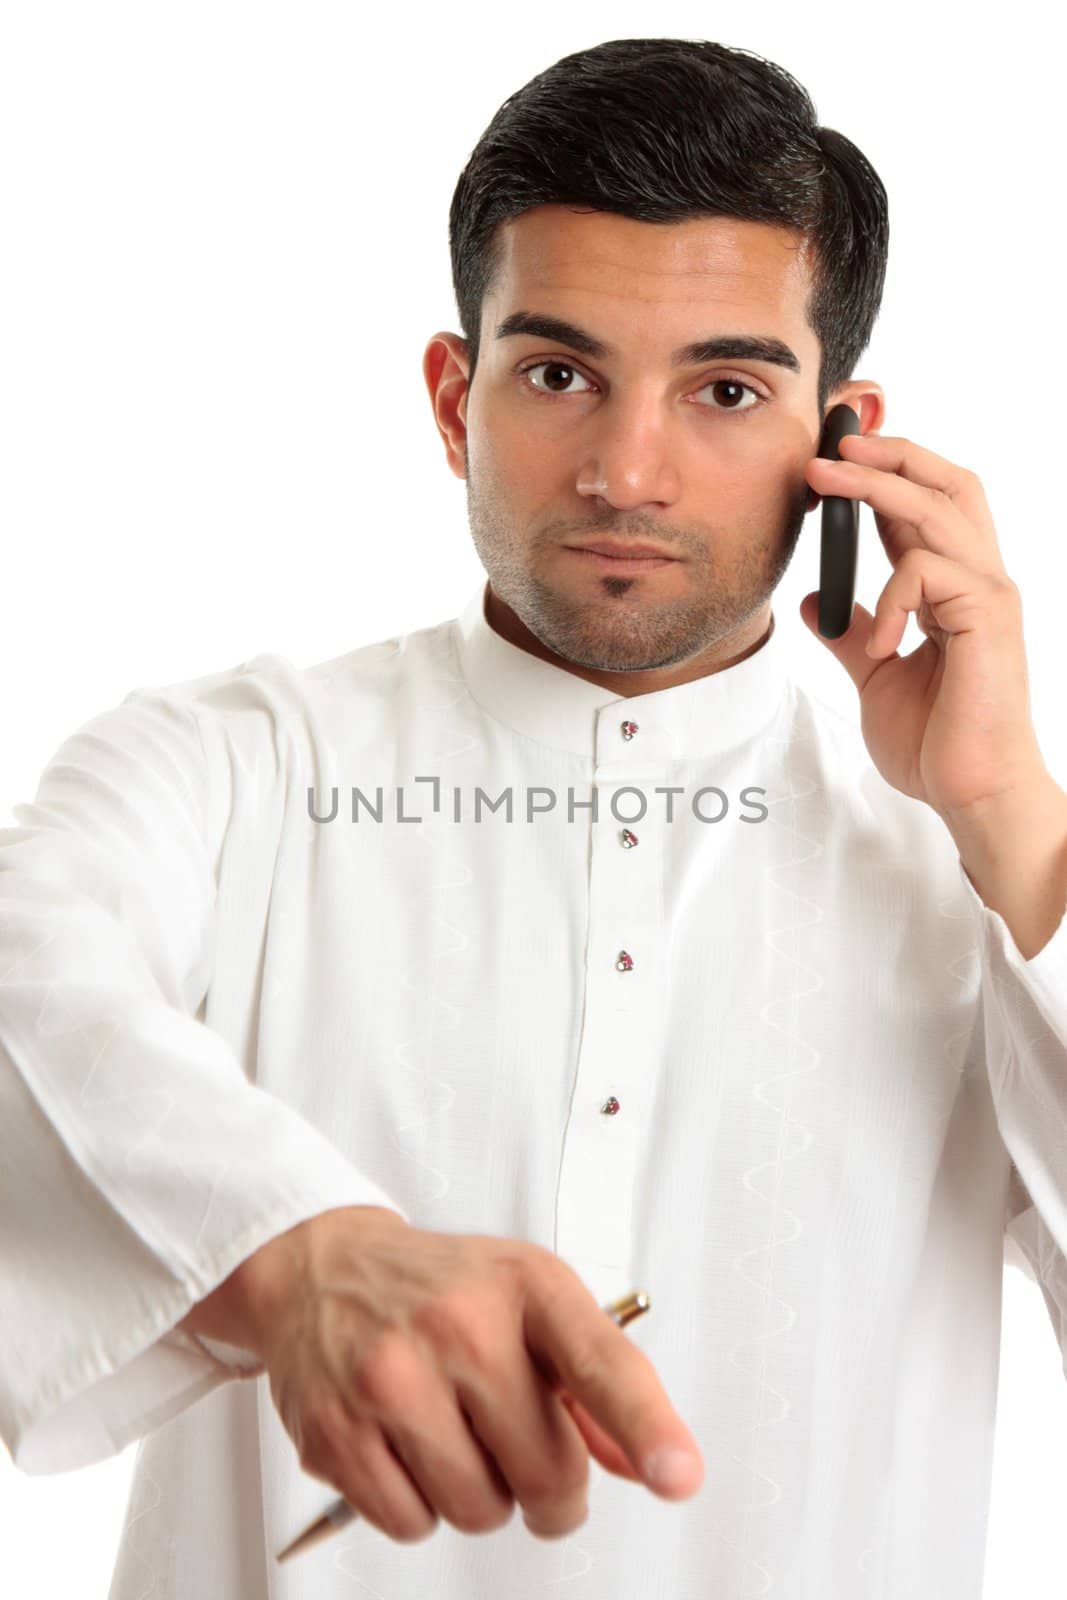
point(705, 1007)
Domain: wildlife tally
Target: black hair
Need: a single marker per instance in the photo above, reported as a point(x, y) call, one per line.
point(665, 130)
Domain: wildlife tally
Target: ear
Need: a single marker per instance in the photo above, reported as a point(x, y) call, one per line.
point(446, 370)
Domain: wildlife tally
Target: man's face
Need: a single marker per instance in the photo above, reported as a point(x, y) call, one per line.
point(704, 458)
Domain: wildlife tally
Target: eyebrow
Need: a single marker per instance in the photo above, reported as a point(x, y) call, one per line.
point(724, 346)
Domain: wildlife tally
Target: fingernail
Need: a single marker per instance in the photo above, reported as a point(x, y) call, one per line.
point(670, 1469)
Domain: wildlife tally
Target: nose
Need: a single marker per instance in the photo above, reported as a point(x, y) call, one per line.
point(630, 468)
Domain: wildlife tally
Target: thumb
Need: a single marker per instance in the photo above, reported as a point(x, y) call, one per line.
point(851, 648)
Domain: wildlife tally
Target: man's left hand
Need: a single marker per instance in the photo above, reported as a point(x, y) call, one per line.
point(949, 723)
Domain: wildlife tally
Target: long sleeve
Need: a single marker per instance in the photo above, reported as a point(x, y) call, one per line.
point(1024, 1012)
point(138, 1164)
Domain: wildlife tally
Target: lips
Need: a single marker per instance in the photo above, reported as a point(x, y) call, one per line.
point(621, 566)
point(624, 550)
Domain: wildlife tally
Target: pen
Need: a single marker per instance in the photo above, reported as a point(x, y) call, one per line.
point(632, 1305)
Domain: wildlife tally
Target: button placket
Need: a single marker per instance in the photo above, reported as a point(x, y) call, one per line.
point(624, 963)
point(621, 1035)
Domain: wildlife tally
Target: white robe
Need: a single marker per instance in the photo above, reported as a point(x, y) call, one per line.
point(841, 1094)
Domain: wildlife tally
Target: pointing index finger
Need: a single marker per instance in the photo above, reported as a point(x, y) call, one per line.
point(613, 1379)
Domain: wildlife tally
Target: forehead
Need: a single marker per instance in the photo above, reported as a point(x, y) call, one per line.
point(705, 261)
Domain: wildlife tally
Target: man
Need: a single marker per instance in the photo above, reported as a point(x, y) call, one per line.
point(368, 1027)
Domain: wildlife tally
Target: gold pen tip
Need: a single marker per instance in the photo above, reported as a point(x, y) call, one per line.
point(631, 1305)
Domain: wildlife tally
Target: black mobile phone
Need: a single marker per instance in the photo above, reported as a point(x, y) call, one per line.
point(840, 534)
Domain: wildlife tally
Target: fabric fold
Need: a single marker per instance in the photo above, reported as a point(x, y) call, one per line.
point(138, 1164)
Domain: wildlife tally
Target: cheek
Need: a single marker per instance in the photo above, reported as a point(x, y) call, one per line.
point(760, 478)
point(533, 470)
point(504, 437)
point(748, 487)
point(757, 504)
point(509, 472)
point(490, 452)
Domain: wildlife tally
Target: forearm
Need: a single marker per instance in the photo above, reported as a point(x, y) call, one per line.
point(1014, 851)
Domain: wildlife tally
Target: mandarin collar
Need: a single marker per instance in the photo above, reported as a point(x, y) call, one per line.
point(555, 707)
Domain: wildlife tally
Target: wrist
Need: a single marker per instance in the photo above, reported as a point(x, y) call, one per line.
point(226, 1314)
point(247, 1307)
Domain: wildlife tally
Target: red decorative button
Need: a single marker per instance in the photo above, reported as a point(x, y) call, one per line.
point(627, 839)
point(629, 729)
point(610, 1106)
point(625, 961)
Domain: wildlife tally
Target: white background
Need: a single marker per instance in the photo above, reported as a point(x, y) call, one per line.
point(225, 251)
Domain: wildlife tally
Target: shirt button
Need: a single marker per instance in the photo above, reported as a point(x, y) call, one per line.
point(610, 1106)
point(627, 839)
point(629, 729)
point(625, 961)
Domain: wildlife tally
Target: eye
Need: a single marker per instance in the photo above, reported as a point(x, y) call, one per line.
point(558, 366)
point(734, 383)
point(555, 366)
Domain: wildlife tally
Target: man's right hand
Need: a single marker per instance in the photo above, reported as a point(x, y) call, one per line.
point(439, 1374)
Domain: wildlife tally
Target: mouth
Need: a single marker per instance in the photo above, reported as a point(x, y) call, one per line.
point(620, 557)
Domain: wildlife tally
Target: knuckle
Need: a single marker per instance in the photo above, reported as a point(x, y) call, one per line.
point(479, 1346)
point(539, 1491)
point(466, 1330)
point(416, 1535)
point(554, 1528)
point(481, 1518)
point(383, 1380)
point(501, 1517)
point(558, 1480)
point(546, 1497)
point(412, 1530)
point(438, 1318)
